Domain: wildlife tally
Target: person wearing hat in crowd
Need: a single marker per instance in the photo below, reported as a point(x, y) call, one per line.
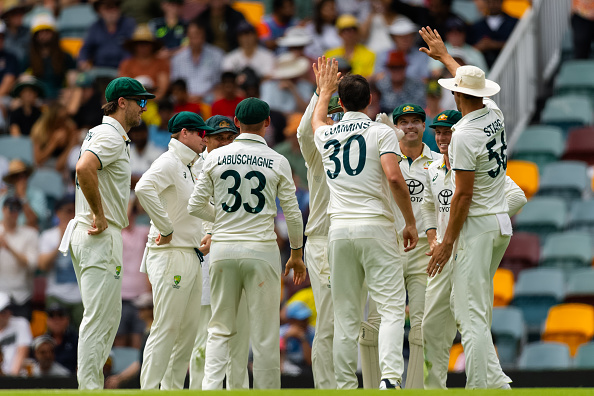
point(22, 118)
point(244, 255)
point(298, 335)
point(229, 90)
point(289, 149)
point(94, 236)
point(479, 223)
point(249, 53)
point(172, 257)
point(295, 40)
point(44, 350)
point(323, 29)
point(17, 36)
point(396, 87)
point(375, 30)
point(221, 21)
point(86, 100)
point(274, 25)
point(103, 44)
point(169, 28)
point(361, 58)
point(144, 60)
point(64, 333)
point(34, 208)
point(15, 338)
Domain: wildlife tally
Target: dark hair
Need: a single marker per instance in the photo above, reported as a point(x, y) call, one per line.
point(354, 92)
point(197, 23)
point(278, 4)
point(110, 107)
point(317, 19)
point(57, 56)
point(228, 76)
point(179, 84)
point(165, 104)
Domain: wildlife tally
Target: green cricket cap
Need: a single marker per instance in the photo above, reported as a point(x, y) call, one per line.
point(446, 118)
point(125, 87)
point(221, 124)
point(334, 105)
point(252, 111)
point(187, 119)
point(408, 108)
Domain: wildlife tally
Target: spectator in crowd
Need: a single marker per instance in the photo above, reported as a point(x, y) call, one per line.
point(289, 89)
point(295, 40)
point(181, 98)
point(44, 349)
point(273, 26)
point(142, 152)
point(220, 23)
point(151, 114)
point(323, 29)
point(289, 149)
point(103, 45)
point(396, 88)
point(169, 28)
point(33, 204)
point(135, 283)
point(61, 279)
point(490, 33)
point(9, 69)
point(141, 11)
point(582, 24)
point(53, 136)
point(359, 57)
point(298, 335)
point(65, 336)
point(16, 39)
point(15, 338)
point(144, 61)
point(435, 13)
point(229, 88)
point(375, 30)
point(158, 134)
point(199, 64)
point(249, 54)
point(358, 8)
point(22, 118)
point(86, 101)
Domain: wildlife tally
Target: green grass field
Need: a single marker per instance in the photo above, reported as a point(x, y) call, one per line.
point(312, 392)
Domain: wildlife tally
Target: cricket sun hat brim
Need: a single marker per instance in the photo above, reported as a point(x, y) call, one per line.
point(470, 80)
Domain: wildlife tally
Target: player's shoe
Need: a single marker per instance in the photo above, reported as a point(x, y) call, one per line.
point(386, 384)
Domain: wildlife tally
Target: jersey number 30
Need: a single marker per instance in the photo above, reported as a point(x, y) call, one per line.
point(501, 159)
point(255, 191)
point(346, 156)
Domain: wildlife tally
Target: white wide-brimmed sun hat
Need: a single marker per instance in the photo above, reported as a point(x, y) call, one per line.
point(289, 65)
point(295, 36)
point(470, 80)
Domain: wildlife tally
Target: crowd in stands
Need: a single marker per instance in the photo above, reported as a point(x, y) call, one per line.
point(204, 56)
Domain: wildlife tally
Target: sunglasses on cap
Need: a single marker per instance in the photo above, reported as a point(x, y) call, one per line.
point(139, 102)
point(336, 116)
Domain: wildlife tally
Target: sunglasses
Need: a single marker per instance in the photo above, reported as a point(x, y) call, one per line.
point(200, 133)
point(139, 102)
point(336, 116)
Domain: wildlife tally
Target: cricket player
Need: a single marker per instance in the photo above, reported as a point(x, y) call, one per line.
point(244, 178)
point(172, 257)
point(479, 223)
point(416, 158)
point(439, 324)
point(94, 235)
point(361, 164)
point(224, 132)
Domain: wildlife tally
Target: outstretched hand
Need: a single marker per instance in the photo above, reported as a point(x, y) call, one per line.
point(327, 74)
point(437, 49)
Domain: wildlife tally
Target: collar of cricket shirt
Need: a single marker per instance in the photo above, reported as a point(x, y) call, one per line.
point(183, 152)
point(107, 120)
point(354, 115)
point(251, 137)
point(427, 153)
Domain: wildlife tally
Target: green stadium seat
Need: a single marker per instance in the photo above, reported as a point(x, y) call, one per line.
point(49, 181)
point(564, 179)
point(585, 357)
point(541, 144)
point(545, 356)
point(542, 216)
point(581, 217)
point(17, 147)
point(75, 20)
point(509, 333)
point(580, 286)
point(568, 111)
point(580, 145)
point(567, 251)
point(122, 357)
point(576, 77)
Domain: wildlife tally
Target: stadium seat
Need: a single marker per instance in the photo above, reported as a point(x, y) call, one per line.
point(581, 217)
point(585, 356)
point(515, 8)
point(580, 145)
point(38, 323)
point(455, 353)
point(537, 290)
point(17, 147)
point(541, 144)
point(49, 181)
point(525, 174)
point(568, 250)
point(466, 10)
point(252, 10)
point(74, 20)
point(576, 77)
point(543, 216)
point(545, 356)
point(580, 286)
point(122, 357)
point(71, 45)
point(503, 287)
point(568, 111)
point(564, 179)
point(509, 333)
point(571, 324)
point(523, 252)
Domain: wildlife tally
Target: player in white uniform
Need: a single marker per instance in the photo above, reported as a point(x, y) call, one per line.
point(479, 223)
point(439, 324)
point(94, 235)
point(223, 133)
point(172, 259)
point(244, 178)
point(363, 176)
point(416, 158)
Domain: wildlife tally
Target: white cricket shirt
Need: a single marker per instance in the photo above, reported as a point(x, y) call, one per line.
point(164, 191)
point(479, 145)
point(351, 151)
point(110, 143)
point(318, 221)
point(244, 178)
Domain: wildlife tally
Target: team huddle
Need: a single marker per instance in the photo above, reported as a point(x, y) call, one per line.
point(388, 219)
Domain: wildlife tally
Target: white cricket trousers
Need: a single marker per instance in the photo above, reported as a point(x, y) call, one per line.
point(480, 249)
point(359, 250)
point(253, 267)
point(316, 260)
point(176, 279)
point(97, 261)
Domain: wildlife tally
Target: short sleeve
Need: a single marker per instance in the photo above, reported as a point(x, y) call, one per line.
point(387, 142)
point(462, 154)
point(107, 147)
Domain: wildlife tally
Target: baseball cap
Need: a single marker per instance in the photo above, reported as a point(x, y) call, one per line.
point(446, 118)
point(252, 111)
point(56, 308)
point(402, 26)
point(455, 24)
point(408, 108)
point(219, 124)
point(187, 119)
point(346, 21)
point(125, 86)
point(43, 21)
point(245, 27)
point(298, 310)
point(4, 301)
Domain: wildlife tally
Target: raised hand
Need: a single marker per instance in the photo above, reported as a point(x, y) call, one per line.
point(328, 75)
point(437, 49)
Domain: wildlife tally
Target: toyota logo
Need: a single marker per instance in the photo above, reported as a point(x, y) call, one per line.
point(445, 196)
point(415, 187)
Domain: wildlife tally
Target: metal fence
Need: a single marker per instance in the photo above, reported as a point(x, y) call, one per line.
point(528, 60)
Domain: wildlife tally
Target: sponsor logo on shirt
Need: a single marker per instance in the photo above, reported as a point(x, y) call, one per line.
point(415, 188)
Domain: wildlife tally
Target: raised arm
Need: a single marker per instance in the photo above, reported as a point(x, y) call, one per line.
point(329, 77)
